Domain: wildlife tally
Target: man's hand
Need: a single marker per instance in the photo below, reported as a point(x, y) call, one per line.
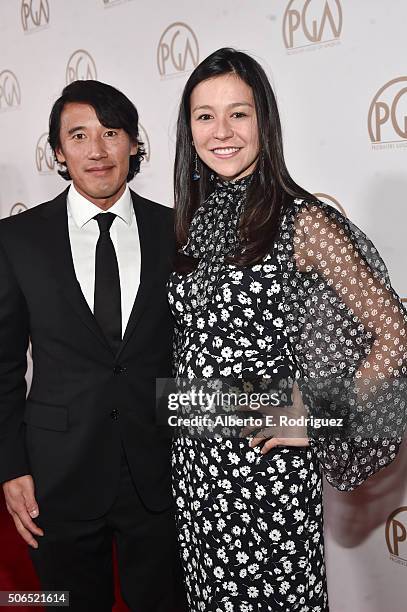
point(22, 506)
point(279, 434)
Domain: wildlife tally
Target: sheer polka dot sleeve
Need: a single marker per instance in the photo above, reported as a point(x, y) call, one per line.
point(348, 330)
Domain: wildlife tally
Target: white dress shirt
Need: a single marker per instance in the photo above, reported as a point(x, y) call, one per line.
point(84, 234)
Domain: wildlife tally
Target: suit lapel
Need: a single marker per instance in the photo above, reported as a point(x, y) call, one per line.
point(57, 238)
point(150, 254)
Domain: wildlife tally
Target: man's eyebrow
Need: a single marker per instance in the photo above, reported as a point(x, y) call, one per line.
point(83, 127)
point(76, 128)
point(233, 105)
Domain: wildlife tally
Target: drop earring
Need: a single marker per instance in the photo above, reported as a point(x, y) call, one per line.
point(195, 172)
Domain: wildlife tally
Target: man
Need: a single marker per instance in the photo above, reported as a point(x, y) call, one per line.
point(84, 277)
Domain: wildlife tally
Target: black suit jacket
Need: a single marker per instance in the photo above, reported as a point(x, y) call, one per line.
point(85, 401)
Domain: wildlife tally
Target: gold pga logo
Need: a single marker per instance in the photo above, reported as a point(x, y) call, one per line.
point(178, 50)
point(143, 136)
point(34, 14)
point(396, 535)
point(80, 67)
point(325, 197)
point(18, 208)
point(312, 22)
point(387, 117)
point(10, 92)
point(44, 155)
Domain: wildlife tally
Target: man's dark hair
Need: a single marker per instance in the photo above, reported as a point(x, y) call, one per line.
point(112, 108)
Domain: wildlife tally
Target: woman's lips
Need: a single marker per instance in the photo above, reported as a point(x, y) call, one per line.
point(225, 152)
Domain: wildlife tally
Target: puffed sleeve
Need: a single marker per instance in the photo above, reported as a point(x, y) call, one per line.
point(348, 330)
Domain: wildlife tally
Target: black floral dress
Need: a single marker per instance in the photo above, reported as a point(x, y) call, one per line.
point(250, 525)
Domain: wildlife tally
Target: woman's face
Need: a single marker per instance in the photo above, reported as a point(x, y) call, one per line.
point(224, 126)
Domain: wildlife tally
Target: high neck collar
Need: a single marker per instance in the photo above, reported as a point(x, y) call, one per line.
point(213, 232)
point(214, 235)
point(235, 185)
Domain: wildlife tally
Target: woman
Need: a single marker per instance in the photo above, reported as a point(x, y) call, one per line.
point(273, 287)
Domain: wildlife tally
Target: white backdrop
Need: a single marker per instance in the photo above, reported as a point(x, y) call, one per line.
point(340, 75)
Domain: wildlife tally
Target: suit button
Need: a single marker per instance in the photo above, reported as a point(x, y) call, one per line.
point(114, 415)
point(118, 369)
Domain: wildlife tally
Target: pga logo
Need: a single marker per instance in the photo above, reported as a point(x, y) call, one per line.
point(10, 92)
point(17, 208)
point(44, 155)
point(80, 67)
point(311, 22)
point(34, 14)
point(387, 117)
point(178, 50)
point(396, 533)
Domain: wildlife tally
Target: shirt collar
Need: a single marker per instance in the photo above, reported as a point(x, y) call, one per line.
point(82, 210)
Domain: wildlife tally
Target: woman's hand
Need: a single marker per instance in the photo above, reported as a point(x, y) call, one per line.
point(275, 430)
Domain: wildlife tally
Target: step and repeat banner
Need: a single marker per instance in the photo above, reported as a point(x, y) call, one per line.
point(339, 71)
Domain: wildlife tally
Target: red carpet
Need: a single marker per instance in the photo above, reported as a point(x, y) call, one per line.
point(16, 571)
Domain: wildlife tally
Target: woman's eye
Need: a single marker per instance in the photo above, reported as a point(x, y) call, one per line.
point(239, 114)
point(78, 136)
point(111, 133)
point(204, 117)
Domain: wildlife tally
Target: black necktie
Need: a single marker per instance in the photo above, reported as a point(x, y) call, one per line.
point(107, 305)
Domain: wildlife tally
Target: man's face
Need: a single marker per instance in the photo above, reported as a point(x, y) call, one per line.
point(97, 157)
